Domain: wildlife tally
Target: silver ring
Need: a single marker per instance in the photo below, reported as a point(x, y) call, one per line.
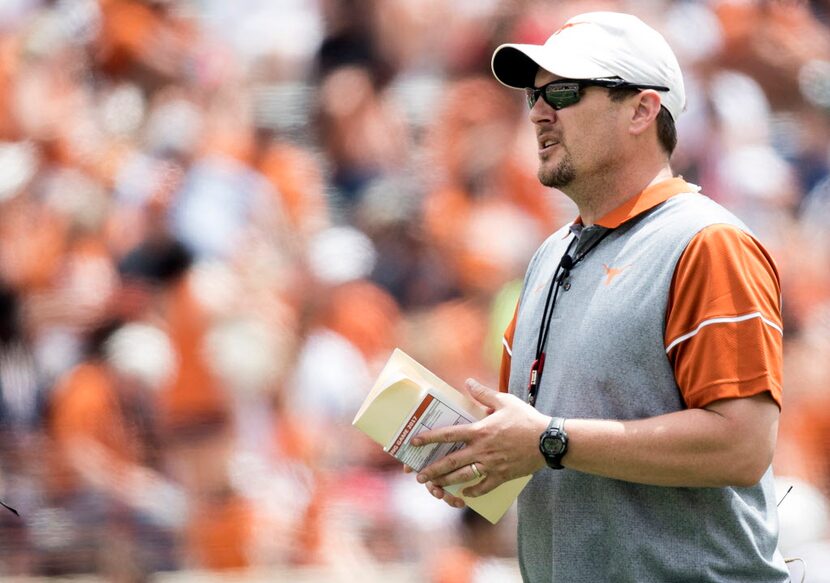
point(476, 472)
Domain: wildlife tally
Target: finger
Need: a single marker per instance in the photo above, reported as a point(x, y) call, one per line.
point(484, 395)
point(449, 434)
point(436, 491)
point(407, 469)
point(454, 501)
point(462, 388)
point(459, 476)
point(488, 484)
point(446, 465)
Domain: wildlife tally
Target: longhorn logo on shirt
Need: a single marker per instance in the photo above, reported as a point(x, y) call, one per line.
point(612, 272)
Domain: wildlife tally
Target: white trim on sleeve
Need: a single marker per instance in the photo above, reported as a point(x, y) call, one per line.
point(723, 320)
point(507, 347)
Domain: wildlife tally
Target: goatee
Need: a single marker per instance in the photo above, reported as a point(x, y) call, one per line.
point(562, 175)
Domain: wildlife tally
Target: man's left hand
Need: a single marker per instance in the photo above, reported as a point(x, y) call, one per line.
point(503, 446)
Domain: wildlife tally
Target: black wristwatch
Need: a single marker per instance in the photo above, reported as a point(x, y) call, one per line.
point(553, 443)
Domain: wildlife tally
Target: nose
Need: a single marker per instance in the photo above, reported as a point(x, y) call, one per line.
point(542, 113)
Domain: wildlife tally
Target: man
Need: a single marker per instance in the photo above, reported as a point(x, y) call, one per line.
point(648, 336)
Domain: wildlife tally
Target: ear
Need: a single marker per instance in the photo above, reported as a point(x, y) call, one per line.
point(646, 109)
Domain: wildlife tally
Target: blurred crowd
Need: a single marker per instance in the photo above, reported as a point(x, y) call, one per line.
point(218, 218)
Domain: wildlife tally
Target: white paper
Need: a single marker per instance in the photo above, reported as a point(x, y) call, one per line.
point(430, 413)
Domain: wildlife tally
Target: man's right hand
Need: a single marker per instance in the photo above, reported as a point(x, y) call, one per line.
point(439, 492)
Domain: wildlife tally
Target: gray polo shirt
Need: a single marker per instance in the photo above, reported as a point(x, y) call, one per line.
point(607, 359)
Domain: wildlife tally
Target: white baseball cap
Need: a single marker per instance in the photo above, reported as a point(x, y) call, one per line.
point(597, 45)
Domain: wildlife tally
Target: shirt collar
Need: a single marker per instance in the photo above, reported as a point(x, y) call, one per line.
point(645, 200)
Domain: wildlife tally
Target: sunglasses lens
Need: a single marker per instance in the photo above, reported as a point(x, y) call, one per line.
point(562, 95)
point(558, 95)
point(532, 96)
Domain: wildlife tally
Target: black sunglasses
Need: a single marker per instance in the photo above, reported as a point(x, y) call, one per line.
point(566, 92)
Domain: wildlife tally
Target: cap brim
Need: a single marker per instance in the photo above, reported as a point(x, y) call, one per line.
point(515, 65)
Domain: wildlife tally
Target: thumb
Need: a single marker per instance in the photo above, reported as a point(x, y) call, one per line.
point(488, 397)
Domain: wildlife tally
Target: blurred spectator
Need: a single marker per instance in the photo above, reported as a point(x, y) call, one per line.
point(295, 176)
point(21, 391)
point(146, 41)
point(106, 457)
point(362, 132)
point(477, 558)
point(481, 186)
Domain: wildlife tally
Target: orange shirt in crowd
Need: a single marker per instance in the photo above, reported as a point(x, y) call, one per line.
point(85, 407)
point(195, 392)
point(218, 536)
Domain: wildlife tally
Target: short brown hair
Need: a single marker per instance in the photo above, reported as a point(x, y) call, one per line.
point(666, 130)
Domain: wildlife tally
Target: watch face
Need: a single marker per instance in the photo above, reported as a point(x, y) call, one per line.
point(553, 445)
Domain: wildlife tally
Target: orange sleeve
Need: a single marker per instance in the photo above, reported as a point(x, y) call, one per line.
point(724, 332)
point(507, 353)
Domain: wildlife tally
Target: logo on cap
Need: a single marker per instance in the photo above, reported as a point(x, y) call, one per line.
point(568, 25)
